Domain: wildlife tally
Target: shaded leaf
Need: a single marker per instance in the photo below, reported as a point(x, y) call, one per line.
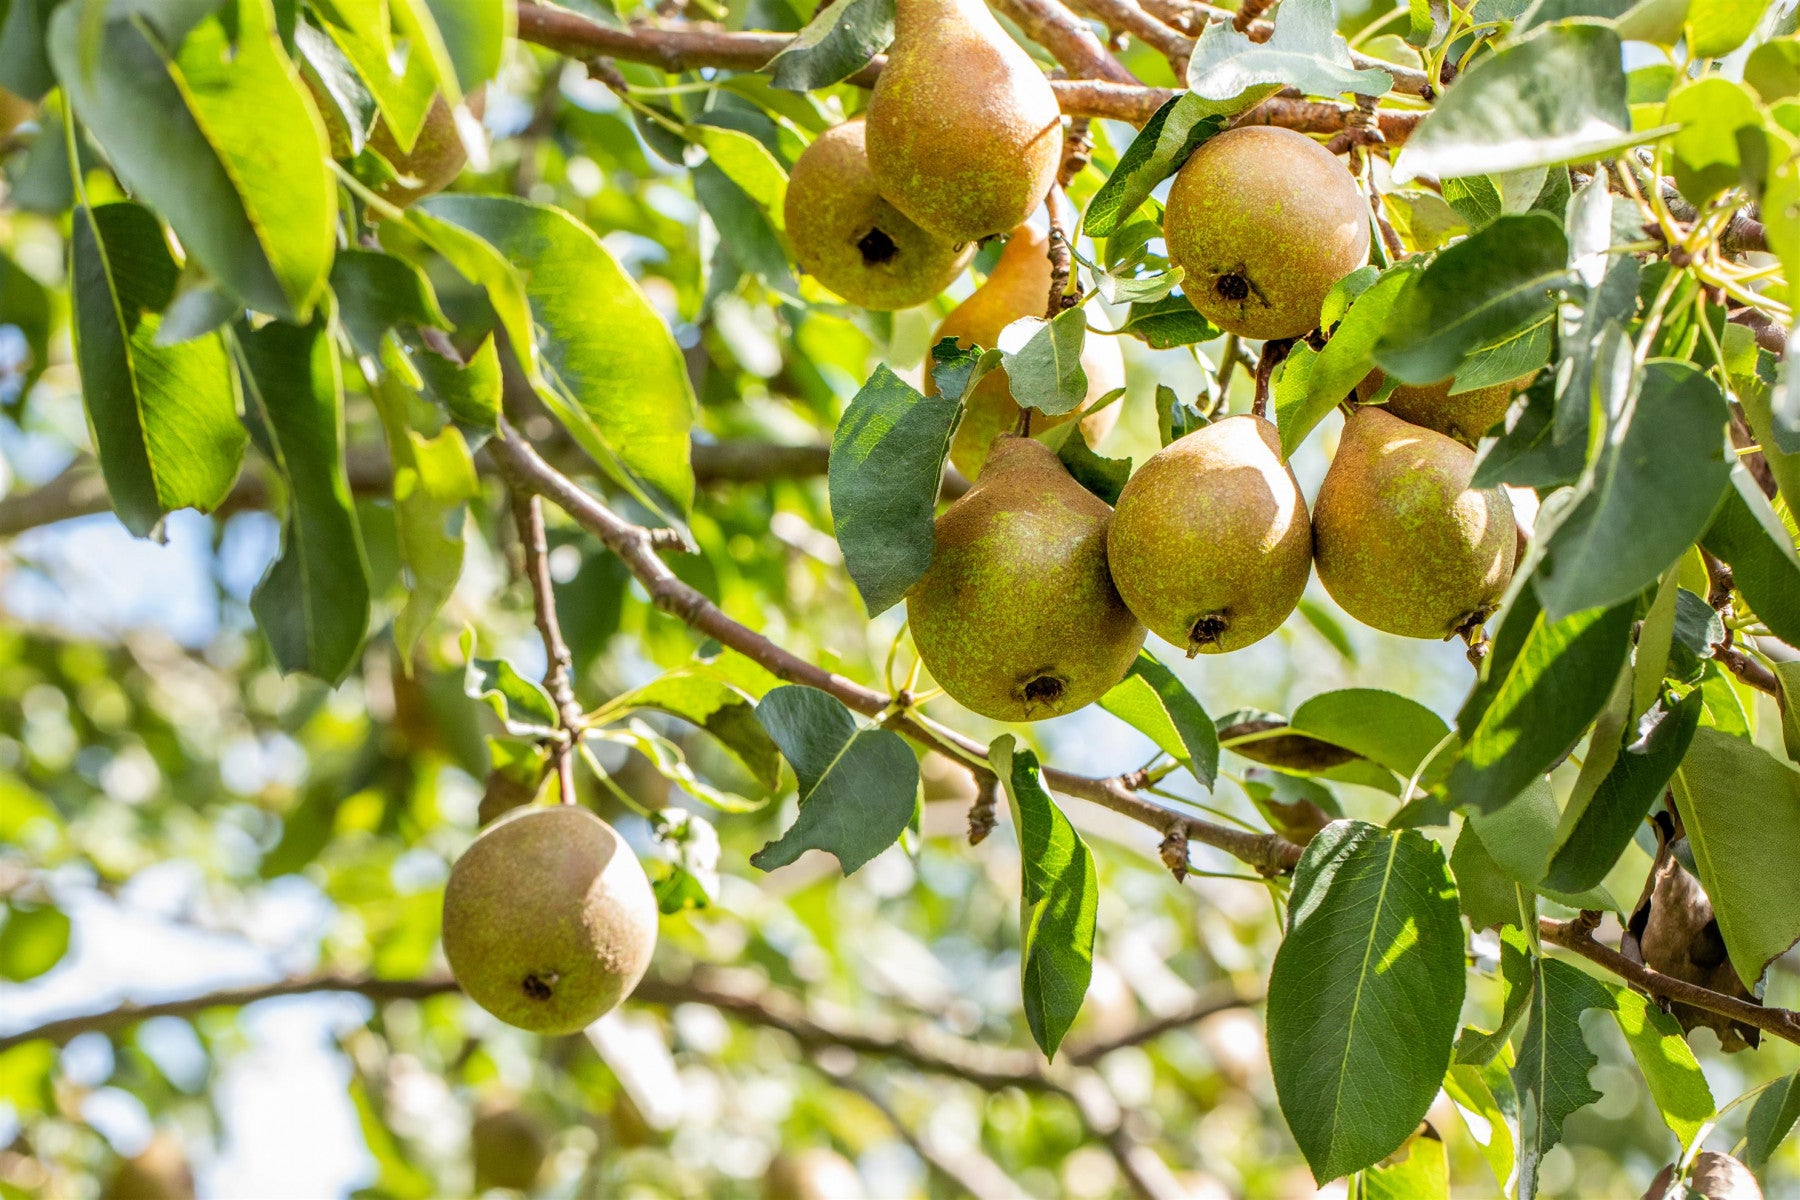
point(1105, 477)
point(1771, 1119)
point(1748, 535)
point(1167, 323)
point(1518, 985)
point(1231, 72)
point(1551, 1075)
point(1520, 836)
point(1058, 902)
point(835, 44)
point(164, 417)
point(1364, 994)
point(886, 459)
point(858, 787)
point(1348, 357)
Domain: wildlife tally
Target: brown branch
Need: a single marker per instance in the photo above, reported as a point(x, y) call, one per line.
point(632, 543)
point(528, 518)
point(1125, 16)
point(1098, 91)
point(1204, 1006)
point(1718, 595)
point(1067, 38)
point(1748, 670)
point(1742, 233)
point(1577, 936)
point(1062, 264)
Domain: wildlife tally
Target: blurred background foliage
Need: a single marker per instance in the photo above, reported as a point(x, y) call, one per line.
point(176, 816)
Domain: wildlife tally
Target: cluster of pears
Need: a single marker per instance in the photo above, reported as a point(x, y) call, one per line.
point(549, 920)
point(1037, 596)
point(961, 141)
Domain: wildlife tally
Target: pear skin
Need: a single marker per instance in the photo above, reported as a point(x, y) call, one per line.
point(549, 921)
point(965, 134)
point(1403, 544)
point(1264, 221)
point(1211, 544)
point(1465, 416)
point(1016, 617)
point(854, 242)
point(1019, 287)
point(437, 157)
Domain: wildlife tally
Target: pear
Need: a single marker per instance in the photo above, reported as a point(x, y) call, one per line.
point(160, 1172)
point(816, 1173)
point(1263, 221)
point(508, 1147)
point(1016, 616)
point(965, 135)
point(436, 158)
point(548, 919)
point(1465, 416)
point(1019, 287)
point(854, 242)
point(1402, 542)
point(1211, 544)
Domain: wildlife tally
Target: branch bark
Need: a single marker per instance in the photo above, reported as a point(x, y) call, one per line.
point(1067, 38)
point(528, 517)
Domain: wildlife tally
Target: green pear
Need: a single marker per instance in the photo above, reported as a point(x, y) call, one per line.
point(508, 1147)
point(1465, 416)
point(965, 134)
point(1264, 221)
point(1016, 617)
point(1211, 545)
point(433, 160)
point(1403, 544)
point(854, 242)
point(549, 920)
point(1019, 287)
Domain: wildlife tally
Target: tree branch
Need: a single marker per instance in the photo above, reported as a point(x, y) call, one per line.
point(1101, 91)
point(528, 517)
point(1577, 936)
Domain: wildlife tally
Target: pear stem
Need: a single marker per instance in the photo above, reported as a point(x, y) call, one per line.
point(1273, 352)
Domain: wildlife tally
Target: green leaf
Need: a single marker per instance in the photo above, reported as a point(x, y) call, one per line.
point(165, 417)
point(1518, 984)
point(1045, 372)
point(24, 306)
point(669, 762)
point(1419, 1170)
point(1475, 293)
point(1347, 358)
point(469, 391)
point(1058, 901)
point(1175, 417)
point(748, 238)
point(34, 939)
point(1167, 323)
point(748, 163)
point(683, 864)
point(313, 604)
point(378, 292)
point(1487, 895)
point(886, 459)
point(835, 44)
point(1382, 726)
point(375, 38)
point(1715, 28)
point(1773, 69)
point(523, 706)
point(1650, 492)
point(1553, 97)
point(474, 33)
point(609, 367)
point(1364, 994)
point(858, 787)
point(1602, 828)
point(702, 697)
point(1719, 122)
point(24, 67)
point(1772, 1117)
point(1519, 723)
point(434, 480)
point(1787, 682)
point(1740, 806)
point(1153, 701)
point(1306, 51)
point(1748, 534)
point(220, 139)
point(1527, 454)
point(1551, 1075)
point(1676, 1083)
point(1174, 132)
point(1486, 1094)
point(1105, 477)
point(1520, 836)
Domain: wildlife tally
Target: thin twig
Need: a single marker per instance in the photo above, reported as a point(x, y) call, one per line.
point(1062, 263)
point(528, 518)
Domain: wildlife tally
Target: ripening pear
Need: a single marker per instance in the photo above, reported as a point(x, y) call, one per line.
point(854, 242)
point(965, 135)
point(1402, 542)
point(14, 111)
point(1211, 545)
point(1019, 287)
point(1465, 416)
point(1264, 221)
point(815, 1173)
point(436, 158)
point(159, 1172)
point(548, 919)
point(1016, 617)
point(507, 1146)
